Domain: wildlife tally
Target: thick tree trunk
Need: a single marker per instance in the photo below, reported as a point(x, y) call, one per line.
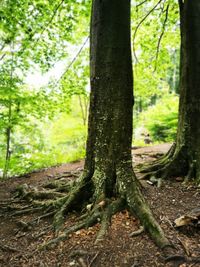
point(110, 119)
point(188, 136)
point(187, 153)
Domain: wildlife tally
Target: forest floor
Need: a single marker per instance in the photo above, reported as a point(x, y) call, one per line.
point(18, 245)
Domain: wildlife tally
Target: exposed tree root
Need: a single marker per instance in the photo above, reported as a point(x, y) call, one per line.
point(158, 163)
point(175, 163)
point(89, 221)
point(138, 206)
point(72, 199)
point(137, 232)
point(24, 192)
point(98, 207)
point(191, 172)
point(97, 214)
point(9, 248)
point(60, 186)
point(110, 210)
point(26, 211)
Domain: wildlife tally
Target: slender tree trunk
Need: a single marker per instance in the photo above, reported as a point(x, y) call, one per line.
point(84, 107)
point(8, 139)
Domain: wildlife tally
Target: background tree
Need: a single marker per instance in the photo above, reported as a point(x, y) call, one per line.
point(184, 156)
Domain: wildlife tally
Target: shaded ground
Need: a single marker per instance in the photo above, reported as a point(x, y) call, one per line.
point(18, 245)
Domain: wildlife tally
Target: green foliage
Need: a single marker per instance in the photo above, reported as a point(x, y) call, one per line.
point(34, 35)
point(61, 140)
point(40, 30)
point(155, 44)
point(160, 121)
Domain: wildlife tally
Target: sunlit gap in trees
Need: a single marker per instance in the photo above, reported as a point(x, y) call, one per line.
point(36, 79)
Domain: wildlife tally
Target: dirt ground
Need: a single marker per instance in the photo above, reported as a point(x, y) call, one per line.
point(19, 245)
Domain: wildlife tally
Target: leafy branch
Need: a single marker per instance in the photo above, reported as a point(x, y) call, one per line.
point(49, 22)
point(140, 4)
point(161, 35)
point(139, 24)
point(74, 59)
point(43, 29)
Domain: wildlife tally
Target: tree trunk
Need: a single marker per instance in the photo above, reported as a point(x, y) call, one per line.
point(188, 135)
point(110, 119)
point(8, 140)
point(184, 157)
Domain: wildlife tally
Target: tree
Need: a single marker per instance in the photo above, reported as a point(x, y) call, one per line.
point(184, 156)
point(108, 183)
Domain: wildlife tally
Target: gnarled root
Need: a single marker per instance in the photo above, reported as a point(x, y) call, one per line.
point(77, 192)
point(126, 194)
point(157, 164)
point(96, 215)
point(110, 210)
point(138, 206)
point(174, 163)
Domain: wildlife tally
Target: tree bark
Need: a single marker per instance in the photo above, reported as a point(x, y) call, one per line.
point(110, 119)
point(188, 135)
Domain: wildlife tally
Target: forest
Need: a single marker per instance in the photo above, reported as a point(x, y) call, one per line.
point(99, 133)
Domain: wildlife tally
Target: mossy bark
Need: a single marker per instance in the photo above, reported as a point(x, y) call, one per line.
point(188, 136)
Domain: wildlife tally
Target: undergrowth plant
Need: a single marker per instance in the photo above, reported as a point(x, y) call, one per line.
point(159, 121)
point(61, 140)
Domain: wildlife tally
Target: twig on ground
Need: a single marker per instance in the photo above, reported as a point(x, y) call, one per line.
point(93, 259)
point(9, 248)
point(82, 262)
point(43, 232)
point(185, 247)
point(137, 232)
point(78, 252)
